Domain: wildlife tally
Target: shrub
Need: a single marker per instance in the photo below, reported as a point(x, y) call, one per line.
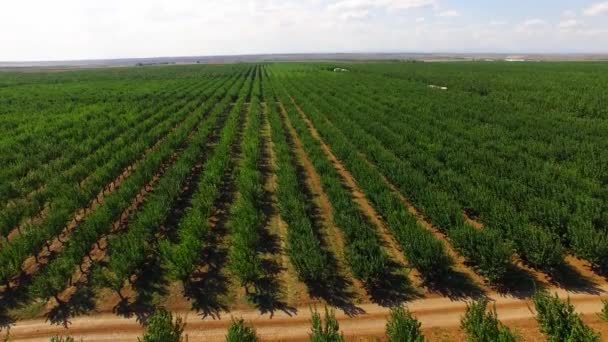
point(604, 314)
point(59, 339)
point(328, 331)
point(481, 325)
point(403, 327)
point(485, 248)
point(240, 332)
point(559, 321)
point(162, 328)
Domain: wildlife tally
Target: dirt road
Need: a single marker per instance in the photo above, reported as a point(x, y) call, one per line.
point(440, 319)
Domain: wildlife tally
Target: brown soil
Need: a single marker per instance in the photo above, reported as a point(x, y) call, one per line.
point(106, 190)
point(459, 261)
point(295, 291)
point(31, 264)
point(440, 318)
point(359, 197)
point(331, 235)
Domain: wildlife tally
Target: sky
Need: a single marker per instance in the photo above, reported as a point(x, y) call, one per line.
point(36, 30)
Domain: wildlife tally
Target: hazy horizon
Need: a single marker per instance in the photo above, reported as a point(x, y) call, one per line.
point(71, 30)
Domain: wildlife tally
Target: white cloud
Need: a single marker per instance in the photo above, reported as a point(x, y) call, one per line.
point(77, 29)
point(385, 4)
point(355, 14)
point(597, 9)
point(446, 14)
point(568, 14)
point(569, 24)
point(532, 26)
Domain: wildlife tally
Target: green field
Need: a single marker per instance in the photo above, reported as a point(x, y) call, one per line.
point(240, 183)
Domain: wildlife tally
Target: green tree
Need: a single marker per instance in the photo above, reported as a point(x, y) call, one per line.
point(325, 331)
point(604, 314)
point(482, 325)
point(403, 327)
point(240, 332)
point(162, 328)
point(61, 339)
point(559, 321)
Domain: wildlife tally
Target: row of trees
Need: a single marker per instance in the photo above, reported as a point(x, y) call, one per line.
point(401, 327)
point(47, 125)
point(557, 320)
point(538, 246)
point(180, 259)
point(85, 154)
point(481, 247)
point(111, 118)
point(246, 215)
point(307, 256)
point(422, 249)
point(30, 242)
point(126, 254)
point(534, 171)
point(364, 253)
point(80, 180)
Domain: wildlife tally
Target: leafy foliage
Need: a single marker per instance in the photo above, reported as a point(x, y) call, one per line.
point(246, 214)
point(61, 339)
point(325, 330)
point(403, 327)
point(238, 331)
point(163, 328)
point(310, 260)
point(604, 313)
point(559, 321)
point(482, 325)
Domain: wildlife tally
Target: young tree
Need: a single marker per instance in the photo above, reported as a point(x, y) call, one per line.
point(56, 339)
point(61, 339)
point(328, 331)
point(403, 327)
point(240, 332)
point(162, 328)
point(604, 314)
point(559, 321)
point(481, 325)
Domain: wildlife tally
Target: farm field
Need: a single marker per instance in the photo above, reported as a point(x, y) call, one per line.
point(262, 190)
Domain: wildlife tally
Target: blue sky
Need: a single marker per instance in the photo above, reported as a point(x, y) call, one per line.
point(79, 29)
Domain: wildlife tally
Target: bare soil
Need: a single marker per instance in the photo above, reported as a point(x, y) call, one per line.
point(440, 318)
point(388, 241)
point(331, 235)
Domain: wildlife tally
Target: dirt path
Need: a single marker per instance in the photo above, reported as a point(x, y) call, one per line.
point(459, 261)
point(331, 234)
point(295, 291)
point(359, 197)
point(81, 213)
point(440, 317)
point(33, 263)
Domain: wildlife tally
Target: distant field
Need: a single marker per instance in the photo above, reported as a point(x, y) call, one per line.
point(271, 187)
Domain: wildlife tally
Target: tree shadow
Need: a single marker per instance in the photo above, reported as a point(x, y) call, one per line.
point(12, 298)
point(391, 288)
point(567, 277)
point(455, 285)
point(205, 288)
point(267, 292)
point(335, 291)
point(149, 284)
point(81, 302)
point(519, 283)
point(209, 284)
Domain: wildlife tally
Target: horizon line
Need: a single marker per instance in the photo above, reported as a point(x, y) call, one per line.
point(354, 53)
